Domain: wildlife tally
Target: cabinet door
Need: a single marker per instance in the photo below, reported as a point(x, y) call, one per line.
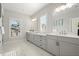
point(68, 49)
point(30, 38)
point(43, 42)
point(52, 46)
point(35, 39)
point(27, 36)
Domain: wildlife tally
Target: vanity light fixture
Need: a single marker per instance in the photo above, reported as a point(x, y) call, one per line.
point(60, 8)
point(63, 7)
point(69, 5)
point(34, 19)
point(57, 9)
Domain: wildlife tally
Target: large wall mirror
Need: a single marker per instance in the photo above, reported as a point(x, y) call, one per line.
point(43, 23)
point(75, 23)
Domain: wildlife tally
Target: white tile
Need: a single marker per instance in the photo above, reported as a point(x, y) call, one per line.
point(22, 48)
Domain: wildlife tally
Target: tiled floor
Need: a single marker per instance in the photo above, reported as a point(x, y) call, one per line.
point(21, 48)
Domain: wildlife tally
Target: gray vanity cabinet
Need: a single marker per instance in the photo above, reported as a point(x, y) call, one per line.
point(69, 46)
point(57, 45)
point(68, 49)
point(53, 45)
point(40, 41)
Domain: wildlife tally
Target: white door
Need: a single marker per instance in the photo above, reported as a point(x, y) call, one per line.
point(68, 49)
point(0, 27)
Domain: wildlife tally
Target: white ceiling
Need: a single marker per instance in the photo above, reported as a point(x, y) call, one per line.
point(26, 8)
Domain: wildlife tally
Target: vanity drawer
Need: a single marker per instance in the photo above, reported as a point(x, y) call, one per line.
point(43, 46)
point(70, 39)
point(52, 37)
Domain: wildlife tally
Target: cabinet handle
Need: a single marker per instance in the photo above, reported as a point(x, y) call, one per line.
point(40, 36)
point(40, 45)
point(40, 40)
point(57, 43)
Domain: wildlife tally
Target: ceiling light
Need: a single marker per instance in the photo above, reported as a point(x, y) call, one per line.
point(33, 5)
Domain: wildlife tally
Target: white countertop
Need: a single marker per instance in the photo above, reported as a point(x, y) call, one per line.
point(37, 33)
point(66, 35)
point(49, 34)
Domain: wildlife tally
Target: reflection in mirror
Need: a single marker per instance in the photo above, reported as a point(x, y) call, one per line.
point(15, 27)
point(58, 26)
